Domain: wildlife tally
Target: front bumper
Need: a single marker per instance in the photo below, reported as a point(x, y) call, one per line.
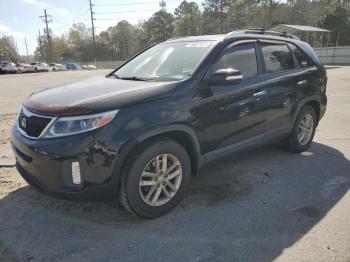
point(14, 70)
point(46, 163)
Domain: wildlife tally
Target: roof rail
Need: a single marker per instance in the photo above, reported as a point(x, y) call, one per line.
point(267, 32)
point(178, 37)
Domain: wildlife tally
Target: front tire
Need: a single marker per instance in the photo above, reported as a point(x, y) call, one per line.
point(303, 131)
point(155, 178)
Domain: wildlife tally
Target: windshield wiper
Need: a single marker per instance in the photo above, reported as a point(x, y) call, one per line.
point(135, 78)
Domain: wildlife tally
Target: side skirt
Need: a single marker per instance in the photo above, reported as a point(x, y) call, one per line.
point(245, 145)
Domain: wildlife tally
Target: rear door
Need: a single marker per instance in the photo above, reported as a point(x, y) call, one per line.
point(281, 76)
point(309, 77)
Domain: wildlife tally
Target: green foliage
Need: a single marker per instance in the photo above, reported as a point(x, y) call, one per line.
point(339, 23)
point(8, 49)
point(188, 19)
point(159, 27)
point(124, 40)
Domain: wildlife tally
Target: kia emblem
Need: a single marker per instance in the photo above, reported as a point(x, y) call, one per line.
point(24, 122)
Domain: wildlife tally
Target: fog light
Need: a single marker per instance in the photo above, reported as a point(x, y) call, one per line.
point(76, 173)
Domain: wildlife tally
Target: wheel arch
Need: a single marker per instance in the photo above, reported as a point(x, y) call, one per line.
point(314, 102)
point(183, 135)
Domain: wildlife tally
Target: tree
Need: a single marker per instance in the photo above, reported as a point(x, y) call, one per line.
point(188, 19)
point(125, 39)
point(8, 49)
point(80, 42)
point(159, 27)
point(215, 15)
point(338, 22)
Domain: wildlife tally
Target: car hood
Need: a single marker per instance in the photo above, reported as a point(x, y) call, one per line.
point(95, 95)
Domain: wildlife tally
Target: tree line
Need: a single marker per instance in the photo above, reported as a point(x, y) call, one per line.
point(123, 40)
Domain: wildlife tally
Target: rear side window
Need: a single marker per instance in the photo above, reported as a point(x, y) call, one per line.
point(277, 58)
point(241, 57)
point(300, 56)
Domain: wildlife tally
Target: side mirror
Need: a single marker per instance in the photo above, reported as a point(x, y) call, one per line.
point(226, 75)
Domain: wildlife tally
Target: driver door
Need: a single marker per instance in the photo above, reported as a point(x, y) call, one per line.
point(234, 113)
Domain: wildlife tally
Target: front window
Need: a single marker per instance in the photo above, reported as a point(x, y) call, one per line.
point(166, 62)
point(241, 57)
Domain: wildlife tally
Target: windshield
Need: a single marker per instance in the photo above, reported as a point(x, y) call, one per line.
point(166, 62)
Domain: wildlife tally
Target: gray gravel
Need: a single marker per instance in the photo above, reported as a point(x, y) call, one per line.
point(263, 205)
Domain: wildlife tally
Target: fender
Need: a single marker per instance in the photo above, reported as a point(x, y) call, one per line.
point(133, 142)
point(173, 128)
point(303, 102)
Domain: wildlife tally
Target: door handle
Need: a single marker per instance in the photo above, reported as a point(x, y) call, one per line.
point(260, 93)
point(302, 82)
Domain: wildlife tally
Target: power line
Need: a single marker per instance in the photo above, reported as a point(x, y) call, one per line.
point(120, 18)
point(122, 12)
point(136, 3)
point(73, 20)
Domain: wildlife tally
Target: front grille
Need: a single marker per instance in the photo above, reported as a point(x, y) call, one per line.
point(31, 124)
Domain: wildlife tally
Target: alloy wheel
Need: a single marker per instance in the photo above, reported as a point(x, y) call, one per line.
point(160, 180)
point(305, 129)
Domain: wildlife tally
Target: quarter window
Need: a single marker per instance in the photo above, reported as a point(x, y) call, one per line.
point(277, 58)
point(300, 56)
point(241, 57)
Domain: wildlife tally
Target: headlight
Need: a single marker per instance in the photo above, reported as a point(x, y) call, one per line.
point(65, 126)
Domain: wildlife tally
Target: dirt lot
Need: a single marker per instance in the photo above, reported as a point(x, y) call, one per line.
point(263, 205)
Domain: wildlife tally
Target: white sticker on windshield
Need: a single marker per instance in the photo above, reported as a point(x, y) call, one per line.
point(198, 44)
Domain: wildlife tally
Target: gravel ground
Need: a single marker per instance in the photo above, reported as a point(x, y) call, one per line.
point(262, 205)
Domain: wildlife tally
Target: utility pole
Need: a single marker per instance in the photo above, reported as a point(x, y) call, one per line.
point(93, 29)
point(25, 41)
point(40, 47)
point(17, 52)
point(48, 34)
point(270, 12)
point(162, 5)
point(221, 16)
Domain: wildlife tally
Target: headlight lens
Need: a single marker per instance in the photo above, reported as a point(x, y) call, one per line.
point(65, 126)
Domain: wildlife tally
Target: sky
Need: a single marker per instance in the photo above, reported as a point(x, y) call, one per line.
point(20, 18)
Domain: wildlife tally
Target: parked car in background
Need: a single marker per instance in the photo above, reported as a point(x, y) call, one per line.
point(24, 68)
point(71, 66)
point(57, 67)
point(39, 66)
point(8, 67)
point(87, 67)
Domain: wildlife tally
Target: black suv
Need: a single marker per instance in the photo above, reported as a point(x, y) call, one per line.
point(141, 132)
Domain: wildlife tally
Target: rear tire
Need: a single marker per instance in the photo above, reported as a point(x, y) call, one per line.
point(303, 131)
point(150, 188)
